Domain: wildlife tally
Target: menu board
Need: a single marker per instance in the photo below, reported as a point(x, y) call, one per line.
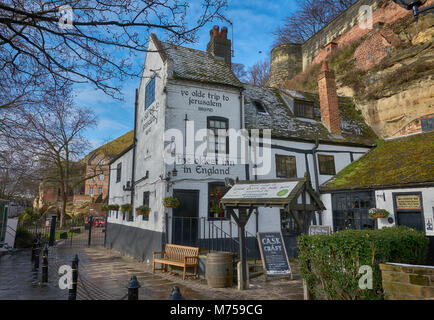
point(273, 254)
point(408, 202)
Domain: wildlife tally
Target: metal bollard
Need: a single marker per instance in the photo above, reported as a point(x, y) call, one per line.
point(133, 288)
point(73, 291)
point(34, 248)
point(176, 294)
point(45, 265)
point(36, 257)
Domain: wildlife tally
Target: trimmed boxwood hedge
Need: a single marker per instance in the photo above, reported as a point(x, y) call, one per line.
point(330, 263)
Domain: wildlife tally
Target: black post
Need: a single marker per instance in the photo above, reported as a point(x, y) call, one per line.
point(45, 265)
point(105, 228)
point(176, 294)
point(73, 290)
point(242, 213)
point(36, 258)
point(133, 288)
point(35, 240)
point(90, 230)
point(52, 230)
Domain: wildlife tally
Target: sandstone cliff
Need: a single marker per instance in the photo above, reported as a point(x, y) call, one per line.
point(389, 72)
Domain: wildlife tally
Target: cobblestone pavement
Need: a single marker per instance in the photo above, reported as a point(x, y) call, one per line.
point(103, 275)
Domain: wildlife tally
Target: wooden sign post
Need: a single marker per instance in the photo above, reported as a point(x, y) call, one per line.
point(273, 253)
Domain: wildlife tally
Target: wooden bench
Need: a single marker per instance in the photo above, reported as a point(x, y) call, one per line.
point(180, 256)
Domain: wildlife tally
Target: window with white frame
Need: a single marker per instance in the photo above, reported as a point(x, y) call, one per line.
point(218, 140)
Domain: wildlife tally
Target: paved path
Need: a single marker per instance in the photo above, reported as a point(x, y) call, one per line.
point(103, 275)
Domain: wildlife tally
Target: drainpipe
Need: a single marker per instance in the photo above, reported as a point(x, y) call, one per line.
point(315, 169)
point(133, 174)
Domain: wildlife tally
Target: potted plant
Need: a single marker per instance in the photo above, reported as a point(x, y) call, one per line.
point(375, 213)
point(113, 207)
point(218, 211)
point(171, 202)
point(105, 207)
point(126, 208)
point(143, 211)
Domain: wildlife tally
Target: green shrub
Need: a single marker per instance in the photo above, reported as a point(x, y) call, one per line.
point(23, 238)
point(330, 264)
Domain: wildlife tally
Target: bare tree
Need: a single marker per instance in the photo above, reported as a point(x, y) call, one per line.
point(88, 41)
point(259, 73)
point(310, 17)
point(19, 175)
point(239, 70)
point(53, 131)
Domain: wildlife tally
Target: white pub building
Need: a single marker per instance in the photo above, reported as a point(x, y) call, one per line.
point(186, 99)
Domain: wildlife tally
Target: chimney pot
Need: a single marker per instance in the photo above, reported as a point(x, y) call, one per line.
point(224, 32)
point(219, 45)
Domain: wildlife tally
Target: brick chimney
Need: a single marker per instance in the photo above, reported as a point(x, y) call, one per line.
point(219, 45)
point(328, 99)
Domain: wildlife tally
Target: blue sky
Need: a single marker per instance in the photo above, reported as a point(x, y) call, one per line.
point(254, 21)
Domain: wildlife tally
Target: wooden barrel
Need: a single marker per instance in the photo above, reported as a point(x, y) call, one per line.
point(219, 270)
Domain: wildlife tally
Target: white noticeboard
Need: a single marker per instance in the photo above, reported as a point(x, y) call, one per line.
point(261, 191)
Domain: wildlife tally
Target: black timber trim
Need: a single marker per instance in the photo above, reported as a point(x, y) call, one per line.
point(427, 184)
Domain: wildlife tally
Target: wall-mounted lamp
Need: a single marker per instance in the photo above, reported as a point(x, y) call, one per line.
point(414, 6)
point(381, 196)
point(169, 176)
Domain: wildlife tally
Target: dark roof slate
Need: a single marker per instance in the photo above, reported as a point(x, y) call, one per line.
point(196, 65)
point(286, 125)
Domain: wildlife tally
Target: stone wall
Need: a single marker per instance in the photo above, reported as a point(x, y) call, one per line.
point(342, 31)
point(285, 63)
point(407, 282)
point(375, 48)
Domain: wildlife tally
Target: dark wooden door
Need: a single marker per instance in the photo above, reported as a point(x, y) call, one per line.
point(411, 220)
point(185, 218)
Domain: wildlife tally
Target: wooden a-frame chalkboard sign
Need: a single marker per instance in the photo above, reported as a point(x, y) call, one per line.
point(273, 254)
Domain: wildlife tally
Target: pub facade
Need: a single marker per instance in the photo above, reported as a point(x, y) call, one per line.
point(186, 99)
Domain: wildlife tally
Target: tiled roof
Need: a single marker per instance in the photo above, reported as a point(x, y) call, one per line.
point(399, 162)
point(196, 65)
point(286, 125)
point(114, 147)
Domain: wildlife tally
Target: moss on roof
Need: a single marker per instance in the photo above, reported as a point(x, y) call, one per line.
point(398, 162)
point(115, 147)
point(286, 125)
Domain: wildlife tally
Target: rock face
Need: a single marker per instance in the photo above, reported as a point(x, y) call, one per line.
point(390, 115)
point(389, 72)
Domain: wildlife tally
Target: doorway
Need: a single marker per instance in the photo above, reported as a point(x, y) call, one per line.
point(185, 218)
point(410, 219)
point(409, 210)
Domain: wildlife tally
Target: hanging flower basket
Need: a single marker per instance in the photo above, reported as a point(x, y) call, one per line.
point(126, 208)
point(113, 207)
point(143, 211)
point(378, 213)
point(171, 202)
